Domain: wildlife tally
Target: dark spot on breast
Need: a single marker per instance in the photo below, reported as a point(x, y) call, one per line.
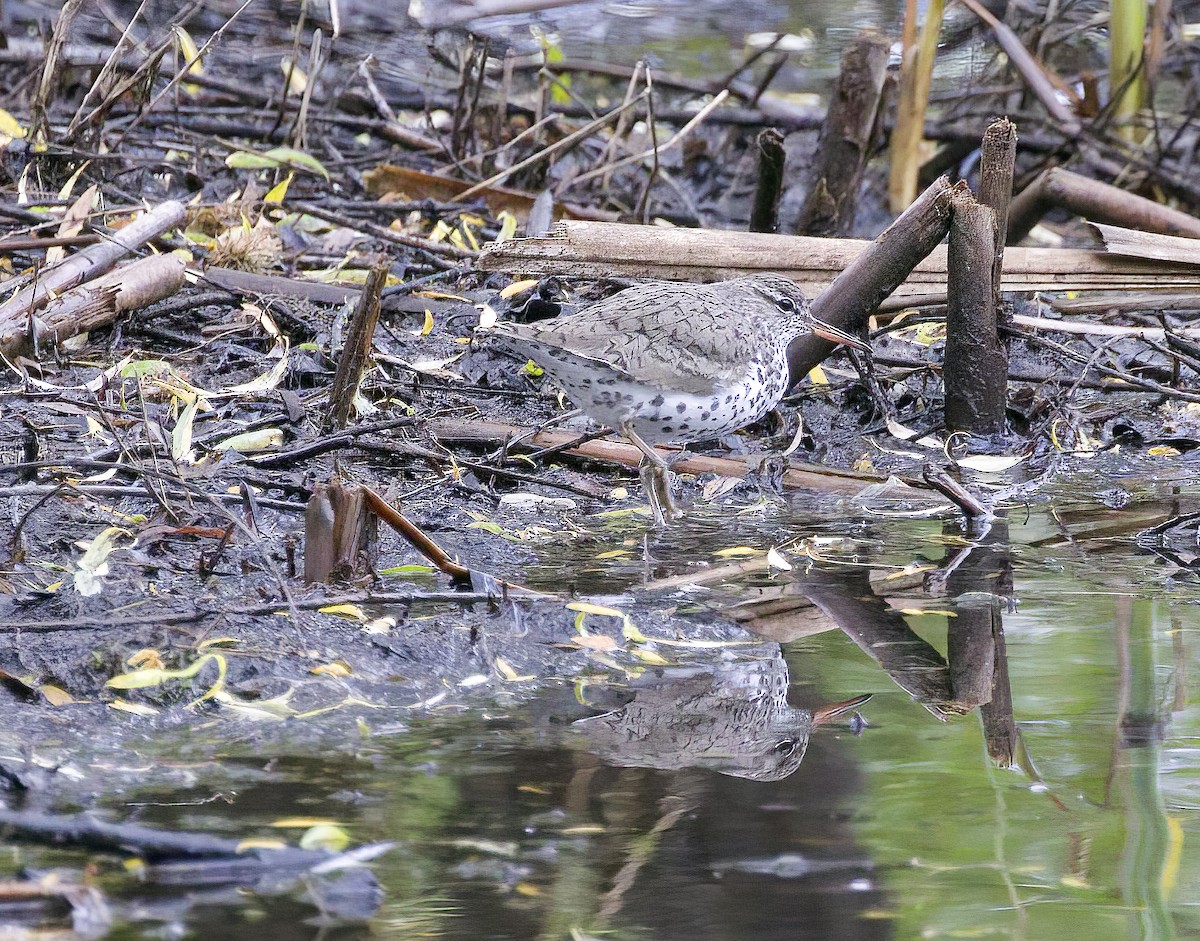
point(728, 399)
point(667, 429)
point(681, 407)
point(683, 427)
point(657, 401)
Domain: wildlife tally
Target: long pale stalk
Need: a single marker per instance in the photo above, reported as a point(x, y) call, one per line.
point(916, 75)
point(1126, 77)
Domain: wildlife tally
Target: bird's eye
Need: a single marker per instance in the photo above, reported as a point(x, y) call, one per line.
point(786, 747)
point(786, 304)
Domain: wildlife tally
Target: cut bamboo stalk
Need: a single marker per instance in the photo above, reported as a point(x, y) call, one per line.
point(604, 250)
point(764, 215)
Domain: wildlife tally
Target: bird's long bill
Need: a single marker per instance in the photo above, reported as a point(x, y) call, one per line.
point(831, 333)
point(838, 709)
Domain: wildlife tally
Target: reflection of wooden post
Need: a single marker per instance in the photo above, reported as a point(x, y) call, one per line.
point(971, 652)
point(999, 727)
point(884, 635)
point(978, 659)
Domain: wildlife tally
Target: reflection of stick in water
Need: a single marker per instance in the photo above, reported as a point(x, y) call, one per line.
point(733, 718)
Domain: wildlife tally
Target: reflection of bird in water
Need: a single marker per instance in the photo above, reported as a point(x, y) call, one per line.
point(733, 718)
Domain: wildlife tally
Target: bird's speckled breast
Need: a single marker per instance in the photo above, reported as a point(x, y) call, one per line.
point(661, 416)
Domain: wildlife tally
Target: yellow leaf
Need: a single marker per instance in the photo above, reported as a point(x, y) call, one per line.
point(507, 672)
point(10, 126)
point(277, 193)
point(649, 656)
point(586, 607)
point(297, 79)
point(504, 669)
point(600, 642)
point(735, 551)
point(1162, 450)
point(217, 642)
point(249, 442)
point(137, 709)
point(325, 836)
point(295, 823)
point(334, 668)
point(56, 695)
point(817, 376)
point(518, 287)
point(259, 843)
point(351, 612)
point(147, 657)
point(631, 633)
point(275, 709)
point(508, 225)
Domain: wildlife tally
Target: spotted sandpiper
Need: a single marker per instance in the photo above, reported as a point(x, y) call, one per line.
point(668, 362)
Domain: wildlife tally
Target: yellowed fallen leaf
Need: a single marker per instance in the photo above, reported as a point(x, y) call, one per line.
point(138, 709)
point(325, 836)
point(601, 642)
point(296, 823)
point(518, 287)
point(334, 668)
point(586, 607)
point(56, 695)
point(260, 843)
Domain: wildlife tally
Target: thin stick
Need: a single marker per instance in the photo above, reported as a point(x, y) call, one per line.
point(676, 139)
point(569, 141)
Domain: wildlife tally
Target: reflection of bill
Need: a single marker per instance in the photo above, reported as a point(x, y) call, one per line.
point(731, 717)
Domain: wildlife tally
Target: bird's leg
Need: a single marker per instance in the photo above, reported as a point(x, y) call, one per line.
point(656, 478)
point(864, 363)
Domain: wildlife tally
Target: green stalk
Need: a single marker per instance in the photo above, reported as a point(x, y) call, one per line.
point(1126, 77)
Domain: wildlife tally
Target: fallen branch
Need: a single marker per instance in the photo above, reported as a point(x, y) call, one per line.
point(1095, 201)
point(95, 304)
point(91, 262)
point(796, 476)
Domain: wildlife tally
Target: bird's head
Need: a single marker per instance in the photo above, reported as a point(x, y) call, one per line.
point(793, 310)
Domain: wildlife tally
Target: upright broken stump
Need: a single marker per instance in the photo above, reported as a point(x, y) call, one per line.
point(975, 370)
point(846, 138)
point(338, 535)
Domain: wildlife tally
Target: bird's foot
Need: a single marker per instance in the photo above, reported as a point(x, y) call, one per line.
point(656, 480)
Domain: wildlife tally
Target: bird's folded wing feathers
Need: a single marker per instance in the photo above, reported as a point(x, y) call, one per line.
point(676, 336)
